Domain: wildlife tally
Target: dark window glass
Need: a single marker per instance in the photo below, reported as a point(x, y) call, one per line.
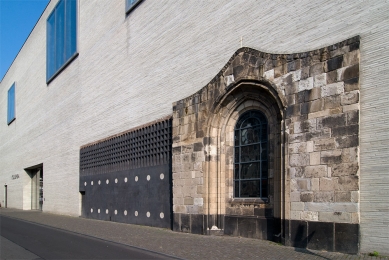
point(251, 165)
point(11, 104)
point(131, 4)
point(61, 36)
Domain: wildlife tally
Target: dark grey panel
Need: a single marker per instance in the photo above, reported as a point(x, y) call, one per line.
point(347, 238)
point(146, 197)
point(321, 236)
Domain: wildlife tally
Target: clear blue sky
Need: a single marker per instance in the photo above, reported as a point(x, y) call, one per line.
point(17, 19)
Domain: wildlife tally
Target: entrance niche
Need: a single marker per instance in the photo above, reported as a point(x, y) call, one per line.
point(247, 121)
point(36, 179)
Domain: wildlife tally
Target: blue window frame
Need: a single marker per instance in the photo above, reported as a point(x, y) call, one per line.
point(131, 4)
point(251, 160)
point(61, 37)
point(11, 104)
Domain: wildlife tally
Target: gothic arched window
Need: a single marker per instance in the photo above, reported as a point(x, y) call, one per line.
point(251, 163)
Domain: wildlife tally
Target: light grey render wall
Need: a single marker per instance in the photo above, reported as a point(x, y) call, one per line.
point(131, 69)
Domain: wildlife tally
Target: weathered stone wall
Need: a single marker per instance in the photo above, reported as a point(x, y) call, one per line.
point(312, 103)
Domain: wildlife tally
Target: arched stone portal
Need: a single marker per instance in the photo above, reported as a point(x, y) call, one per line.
point(243, 216)
point(311, 103)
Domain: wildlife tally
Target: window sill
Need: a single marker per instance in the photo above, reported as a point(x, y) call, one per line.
point(62, 68)
point(252, 201)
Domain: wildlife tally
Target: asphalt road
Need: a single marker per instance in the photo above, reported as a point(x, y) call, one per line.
point(22, 239)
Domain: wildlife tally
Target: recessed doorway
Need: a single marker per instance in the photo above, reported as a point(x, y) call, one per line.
point(36, 175)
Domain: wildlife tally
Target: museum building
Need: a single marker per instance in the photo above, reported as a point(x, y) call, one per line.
point(260, 119)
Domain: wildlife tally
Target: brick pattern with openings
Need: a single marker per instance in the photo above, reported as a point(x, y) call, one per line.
point(143, 147)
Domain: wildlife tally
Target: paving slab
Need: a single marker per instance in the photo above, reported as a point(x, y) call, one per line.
point(181, 245)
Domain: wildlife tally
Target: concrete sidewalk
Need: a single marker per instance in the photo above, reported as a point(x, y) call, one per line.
point(182, 245)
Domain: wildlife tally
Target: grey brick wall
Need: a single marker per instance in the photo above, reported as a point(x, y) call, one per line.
point(131, 69)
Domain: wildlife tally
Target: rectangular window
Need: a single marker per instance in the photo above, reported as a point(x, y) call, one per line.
point(131, 4)
point(11, 104)
point(61, 37)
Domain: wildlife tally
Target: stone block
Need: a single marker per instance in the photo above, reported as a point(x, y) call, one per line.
point(315, 184)
point(345, 207)
point(293, 110)
point(303, 184)
point(316, 69)
point(318, 206)
point(348, 183)
point(269, 75)
point(310, 146)
point(296, 215)
point(305, 126)
point(355, 196)
point(198, 201)
point(355, 218)
point(312, 94)
point(331, 121)
point(328, 184)
point(350, 155)
point(305, 84)
point(347, 141)
point(188, 201)
point(320, 80)
point(344, 169)
point(345, 130)
point(298, 147)
point(332, 102)
point(332, 77)
point(351, 84)
point(316, 105)
point(324, 196)
point(293, 65)
point(318, 134)
point(331, 156)
point(296, 172)
point(319, 114)
point(179, 209)
point(297, 206)
point(339, 51)
point(310, 215)
point(337, 217)
point(299, 159)
point(332, 89)
point(248, 211)
point(296, 75)
point(352, 117)
point(342, 196)
point(199, 189)
point(351, 107)
point(335, 63)
point(324, 144)
point(315, 171)
point(314, 158)
point(306, 196)
point(295, 196)
point(290, 100)
point(349, 98)
point(304, 72)
point(350, 72)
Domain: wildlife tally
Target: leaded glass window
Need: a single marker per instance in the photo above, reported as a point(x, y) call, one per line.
point(251, 159)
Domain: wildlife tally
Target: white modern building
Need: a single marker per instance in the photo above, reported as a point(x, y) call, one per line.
point(264, 119)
